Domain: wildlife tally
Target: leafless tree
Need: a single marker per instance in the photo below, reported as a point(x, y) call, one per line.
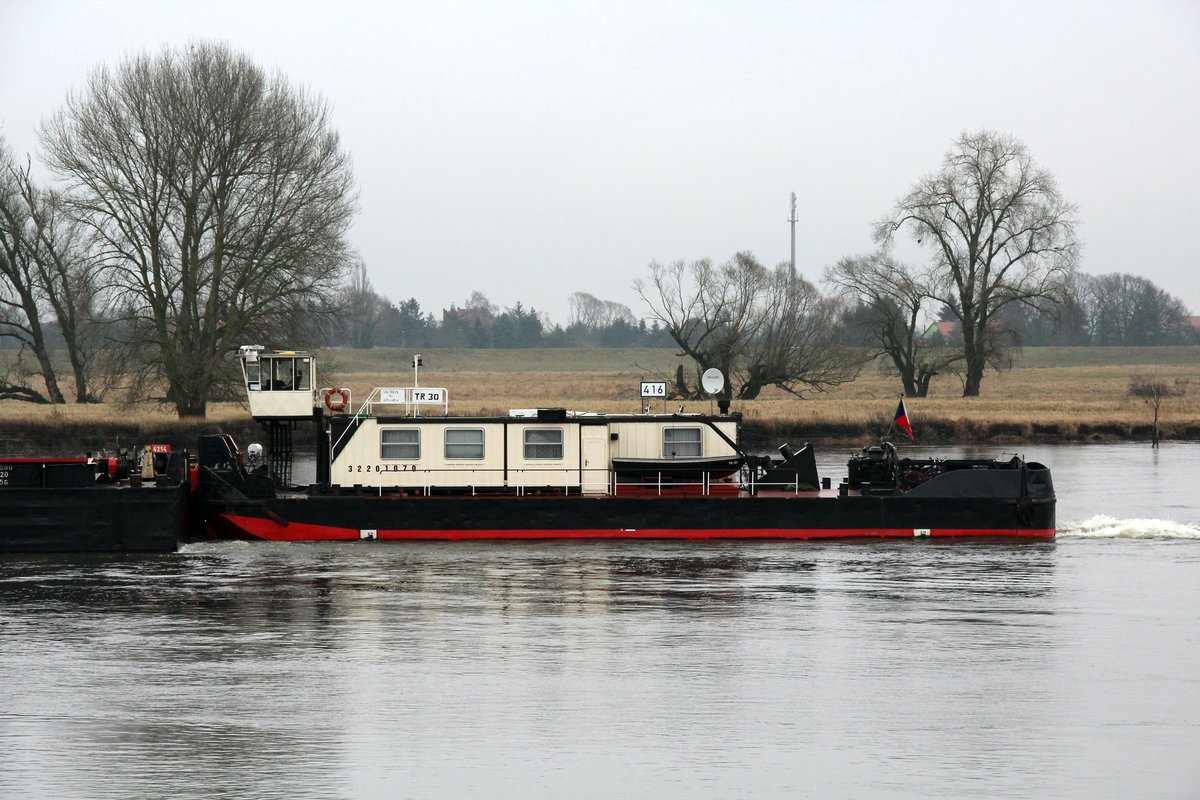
point(1000, 231)
point(1152, 391)
point(892, 298)
point(1125, 309)
point(22, 303)
point(221, 196)
point(480, 302)
point(361, 309)
point(588, 311)
point(47, 276)
point(69, 273)
point(760, 327)
point(15, 378)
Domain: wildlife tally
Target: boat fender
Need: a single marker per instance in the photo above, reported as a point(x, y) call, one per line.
point(335, 399)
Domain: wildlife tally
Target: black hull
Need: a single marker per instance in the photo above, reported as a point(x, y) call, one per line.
point(94, 519)
point(743, 517)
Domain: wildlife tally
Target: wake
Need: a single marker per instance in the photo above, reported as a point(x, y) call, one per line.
point(1104, 527)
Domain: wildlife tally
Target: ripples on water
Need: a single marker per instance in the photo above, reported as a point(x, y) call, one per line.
point(601, 670)
point(637, 669)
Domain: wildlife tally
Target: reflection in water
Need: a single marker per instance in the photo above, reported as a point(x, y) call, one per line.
point(626, 669)
point(319, 670)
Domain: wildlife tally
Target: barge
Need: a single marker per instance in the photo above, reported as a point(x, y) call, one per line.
point(94, 504)
point(398, 466)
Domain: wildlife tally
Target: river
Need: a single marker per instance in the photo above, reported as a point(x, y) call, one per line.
point(633, 669)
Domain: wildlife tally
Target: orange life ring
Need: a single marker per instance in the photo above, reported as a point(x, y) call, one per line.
point(340, 403)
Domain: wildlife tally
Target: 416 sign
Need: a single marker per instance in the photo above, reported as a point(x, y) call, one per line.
point(654, 389)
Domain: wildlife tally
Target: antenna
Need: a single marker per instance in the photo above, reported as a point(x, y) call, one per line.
point(792, 219)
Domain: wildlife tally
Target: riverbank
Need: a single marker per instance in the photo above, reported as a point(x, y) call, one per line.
point(1053, 395)
point(59, 438)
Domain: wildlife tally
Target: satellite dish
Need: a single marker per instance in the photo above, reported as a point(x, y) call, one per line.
point(712, 381)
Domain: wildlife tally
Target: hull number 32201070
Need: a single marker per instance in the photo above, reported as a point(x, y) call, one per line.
point(381, 468)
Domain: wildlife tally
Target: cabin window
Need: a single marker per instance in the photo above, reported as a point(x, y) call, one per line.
point(681, 443)
point(282, 379)
point(303, 373)
point(400, 444)
point(253, 371)
point(464, 443)
point(543, 443)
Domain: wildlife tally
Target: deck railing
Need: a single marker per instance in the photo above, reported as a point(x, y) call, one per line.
point(597, 481)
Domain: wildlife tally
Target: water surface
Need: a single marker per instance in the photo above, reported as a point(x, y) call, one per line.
point(627, 669)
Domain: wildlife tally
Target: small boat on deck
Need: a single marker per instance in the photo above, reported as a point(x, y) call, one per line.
point(673, 469)
point(387, 468)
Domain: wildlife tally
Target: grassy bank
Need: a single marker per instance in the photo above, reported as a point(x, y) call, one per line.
point(1054, 394)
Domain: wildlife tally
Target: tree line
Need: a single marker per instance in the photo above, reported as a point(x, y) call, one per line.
point(368, 319)
point(1095, 310)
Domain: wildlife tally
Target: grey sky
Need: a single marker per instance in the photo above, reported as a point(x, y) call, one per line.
point(532, 149)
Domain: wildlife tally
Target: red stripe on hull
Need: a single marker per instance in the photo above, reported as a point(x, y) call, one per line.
point(257, 528)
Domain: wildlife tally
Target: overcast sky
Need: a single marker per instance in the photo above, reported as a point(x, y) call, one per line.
point(529, 150)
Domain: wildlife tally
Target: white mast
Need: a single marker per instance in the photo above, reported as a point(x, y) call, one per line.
point(792, 219)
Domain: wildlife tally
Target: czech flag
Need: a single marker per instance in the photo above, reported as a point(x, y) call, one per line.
point(902, 420)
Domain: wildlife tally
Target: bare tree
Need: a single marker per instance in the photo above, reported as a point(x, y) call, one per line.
point(1153, 391)
point(24, 310)
point(1000, 231)
point(1125, 309)
point(221, 196)
point(68, 271)
point(588, 311)
point(892, 298)
point(15, 377)
point(361, 308)
point(480, 302)
point(760, 327)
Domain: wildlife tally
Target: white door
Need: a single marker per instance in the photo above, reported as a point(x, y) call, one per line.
point(593, 445)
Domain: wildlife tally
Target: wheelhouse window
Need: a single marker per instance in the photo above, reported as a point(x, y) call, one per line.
point(543, 444)
point(681, 443)
point(253, 375)
point(303, 373)
point(464, 443)
point(400, 444)
point(280, 374)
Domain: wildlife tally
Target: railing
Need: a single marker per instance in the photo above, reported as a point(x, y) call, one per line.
point(411, 397)
point(748, 479)
point(597, 481)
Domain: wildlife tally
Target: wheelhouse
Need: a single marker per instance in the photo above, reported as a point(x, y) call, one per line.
point(280, 384)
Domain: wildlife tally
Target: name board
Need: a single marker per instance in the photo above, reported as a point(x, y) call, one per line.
point(428, 396)
point(654, 388)
point(391, 396)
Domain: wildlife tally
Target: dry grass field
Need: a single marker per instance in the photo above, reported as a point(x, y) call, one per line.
point(1052, 394)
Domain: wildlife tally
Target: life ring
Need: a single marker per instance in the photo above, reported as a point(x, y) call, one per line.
point(338, 404)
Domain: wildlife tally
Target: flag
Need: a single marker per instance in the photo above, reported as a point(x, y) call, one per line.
point(902, 420)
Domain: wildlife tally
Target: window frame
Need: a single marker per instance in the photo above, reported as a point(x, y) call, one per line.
point(560, 444)
point(699, 442)
point(276, 371)
point(382, 444)
point(253, 370)
point(447, 444)
point(302, 374)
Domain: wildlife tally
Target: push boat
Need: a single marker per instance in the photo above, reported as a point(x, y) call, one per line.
point(398, 466)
